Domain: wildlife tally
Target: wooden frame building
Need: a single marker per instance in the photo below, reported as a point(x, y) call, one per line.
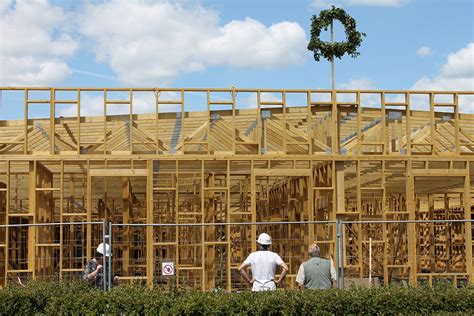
point(240, 156)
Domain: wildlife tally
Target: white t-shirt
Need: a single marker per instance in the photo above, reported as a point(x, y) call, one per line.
point(263, 264)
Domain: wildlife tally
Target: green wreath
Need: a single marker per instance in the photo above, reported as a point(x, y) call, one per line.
point(336, 49)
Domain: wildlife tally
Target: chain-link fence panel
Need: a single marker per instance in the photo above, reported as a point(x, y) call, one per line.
point(409, 252)
point(47, 251)
point(207, 256)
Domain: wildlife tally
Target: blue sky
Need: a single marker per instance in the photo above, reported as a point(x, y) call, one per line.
point(410, 44)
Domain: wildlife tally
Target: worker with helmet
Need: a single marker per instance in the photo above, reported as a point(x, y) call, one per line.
point(263, 263)
point(93, 271)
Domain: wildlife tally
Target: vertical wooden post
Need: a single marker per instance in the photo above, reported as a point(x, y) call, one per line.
point(259, 124)
point(7, 221)
point(283, 97)
point(384, 226)
point(359, 188)
point(25, 123)
point(468, 226)
point(310, 124)
point(234, 140)
point(130, 121)
point(333, 211)
point(61, 211)
point(52, 121)
point(228, 219)
point(209, 120)
point(78, 121)
point(310, 203)
point(126, 205)
point(176, 219)
point(341, 203)
point(182, 119)
point(431, 243)
point(89, 214)
point(359, 227)
point(433, 124)
point(385, 149)
point(32, 216)
point(203, 231)
point(253, 206)
point(105, 121)
point(157, 104)
point(149, 229)
point(456, 124)
point(408, 125)
point(334, 125)
point(410, 192)
point(359, 125)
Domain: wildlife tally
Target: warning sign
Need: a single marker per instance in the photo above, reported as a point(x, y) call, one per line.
point(167, 268)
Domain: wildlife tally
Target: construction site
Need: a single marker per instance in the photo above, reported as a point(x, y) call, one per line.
point(208, 164)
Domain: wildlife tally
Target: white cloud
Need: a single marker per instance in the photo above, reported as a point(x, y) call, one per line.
point(93, 105)
point(148, 43)
point(249, 100)
point(34, 47)
point(4, 5)
point(375, 3)
point(356, 84)
point(424, 51)
point(142, 103)
point(367, 100)
point(457, 74)
point(461, 64)
point(249, 43)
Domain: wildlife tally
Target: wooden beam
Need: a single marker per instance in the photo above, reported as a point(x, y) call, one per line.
point(32, 212)
point(118, 172)
point(468, 225)
point(150, 263)
point(340, 188)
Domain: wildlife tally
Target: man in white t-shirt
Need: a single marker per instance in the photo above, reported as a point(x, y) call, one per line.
point(263, 263)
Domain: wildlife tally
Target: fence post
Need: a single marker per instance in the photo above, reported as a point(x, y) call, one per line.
point(338, 236)
point(104, 256)
point(370, 261)
point(341, 247)
point(109, 276)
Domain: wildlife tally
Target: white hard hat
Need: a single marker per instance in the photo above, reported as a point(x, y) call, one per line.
point(100, 249)
point(264, 239)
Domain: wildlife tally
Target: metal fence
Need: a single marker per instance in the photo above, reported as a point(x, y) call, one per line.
point(206, 256)
point(416, 252)
point(47, 251)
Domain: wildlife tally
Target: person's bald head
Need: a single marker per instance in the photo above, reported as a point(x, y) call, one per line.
point(314, 251)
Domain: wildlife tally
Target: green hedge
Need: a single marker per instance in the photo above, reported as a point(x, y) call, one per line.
point(79, 298)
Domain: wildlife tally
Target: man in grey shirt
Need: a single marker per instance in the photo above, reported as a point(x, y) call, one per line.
point(316, 273)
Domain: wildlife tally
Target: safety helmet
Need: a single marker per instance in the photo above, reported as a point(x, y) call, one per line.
point(264, 239)
point(100, 249)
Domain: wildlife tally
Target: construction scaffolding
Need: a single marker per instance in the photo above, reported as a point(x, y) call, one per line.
point(243, 156)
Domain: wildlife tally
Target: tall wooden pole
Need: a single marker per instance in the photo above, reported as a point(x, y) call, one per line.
point(332, 57)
